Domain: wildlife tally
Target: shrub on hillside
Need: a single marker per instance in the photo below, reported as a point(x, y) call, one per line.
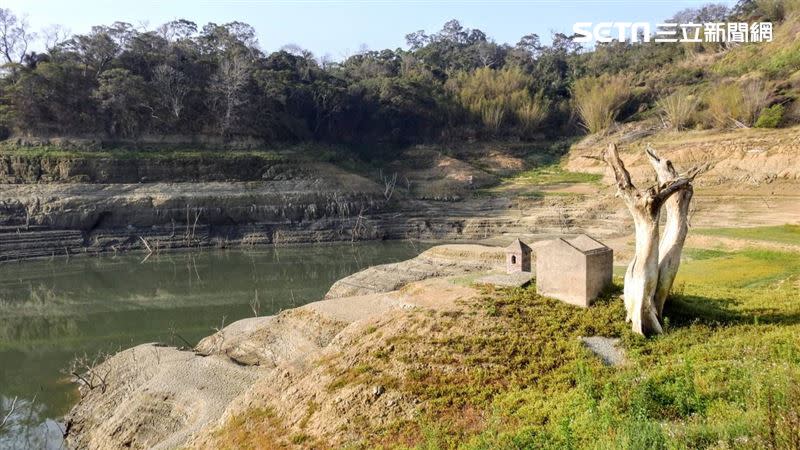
point(772, 9)
point(500, 97)
point(598, 100)
point(532, 112)
point(731, 104)
point(771, 117)
point(725, 104)
point(756, 97)
point(678, 109)
point(492, 113)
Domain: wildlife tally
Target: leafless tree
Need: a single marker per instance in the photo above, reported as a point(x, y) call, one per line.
point(675, 229)
point(86, 370)
point(389, 182)
point(228, 86)
point(146, 245)
point(326, 61)
point(255, 305)
point(487, 54)
point(221, 325)
point(651, 273)
point(564, 221)
point(359, 228)
point(172, 87)
point(190, 231)
point(14, 36)
point(54, 35)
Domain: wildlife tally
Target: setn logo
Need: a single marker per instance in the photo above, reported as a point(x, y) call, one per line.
point(602, 31)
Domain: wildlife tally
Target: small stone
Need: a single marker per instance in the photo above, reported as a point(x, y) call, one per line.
point(607, 349)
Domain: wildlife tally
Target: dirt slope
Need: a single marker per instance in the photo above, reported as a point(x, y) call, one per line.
point(754, 177)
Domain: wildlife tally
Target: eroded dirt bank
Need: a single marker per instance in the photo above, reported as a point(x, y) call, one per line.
point(290, 202)
point(55, 206)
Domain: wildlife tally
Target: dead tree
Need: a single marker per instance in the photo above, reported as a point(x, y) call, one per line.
point(388, 184)
point(675, 229)
point(85, 370)
point(652, 271)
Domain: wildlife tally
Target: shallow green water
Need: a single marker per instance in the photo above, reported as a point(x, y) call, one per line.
point(51, 311)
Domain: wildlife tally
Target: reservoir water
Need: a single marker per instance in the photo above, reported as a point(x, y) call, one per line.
point(54, 310)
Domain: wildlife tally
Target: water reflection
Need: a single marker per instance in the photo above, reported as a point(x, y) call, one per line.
point(24, 426)
point(52, 310)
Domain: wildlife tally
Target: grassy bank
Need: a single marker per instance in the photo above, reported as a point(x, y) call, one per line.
point(509, 372)
point(784, 234)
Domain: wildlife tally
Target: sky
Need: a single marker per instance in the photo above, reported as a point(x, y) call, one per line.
point(342, 28)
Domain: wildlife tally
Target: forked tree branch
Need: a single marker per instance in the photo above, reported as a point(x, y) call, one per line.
point(611, 156)
point(665, 191)
point(666, 171)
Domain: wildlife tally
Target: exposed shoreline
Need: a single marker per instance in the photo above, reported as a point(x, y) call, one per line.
point(151, 387)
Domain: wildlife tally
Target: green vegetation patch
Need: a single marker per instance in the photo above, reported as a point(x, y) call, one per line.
point(785, 234)
point(724, 375)
point(507, 371)
point(777, 59)
point(256, 428)
point(771, 117)
point(555, 174)
point(740, 269)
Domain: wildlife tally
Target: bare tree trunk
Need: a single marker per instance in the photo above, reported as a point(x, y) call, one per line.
point(675, 230)
point(643, 274)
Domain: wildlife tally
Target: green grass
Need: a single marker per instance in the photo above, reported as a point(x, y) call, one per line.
point(554, 174)
point(507, 371)
point(777, 59)
point(784, 234)
point(724, 375)
point(744, 268)
point(467, 280)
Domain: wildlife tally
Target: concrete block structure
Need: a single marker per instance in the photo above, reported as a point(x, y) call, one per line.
point(518, 257)
point(575, 270)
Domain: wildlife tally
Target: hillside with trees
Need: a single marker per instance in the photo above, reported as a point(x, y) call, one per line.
point(122, 82)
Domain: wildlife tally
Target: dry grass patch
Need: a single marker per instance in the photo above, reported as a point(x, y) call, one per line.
point(599, 100)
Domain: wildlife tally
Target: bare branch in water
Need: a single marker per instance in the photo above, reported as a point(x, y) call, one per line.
point(10, 412)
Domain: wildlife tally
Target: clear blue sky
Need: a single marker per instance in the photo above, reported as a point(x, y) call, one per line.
point(340, 28)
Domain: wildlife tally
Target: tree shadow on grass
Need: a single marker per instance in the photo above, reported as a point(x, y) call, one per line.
point(684, 310)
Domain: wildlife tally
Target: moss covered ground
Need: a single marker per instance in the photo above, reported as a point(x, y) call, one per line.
point(726, 373)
